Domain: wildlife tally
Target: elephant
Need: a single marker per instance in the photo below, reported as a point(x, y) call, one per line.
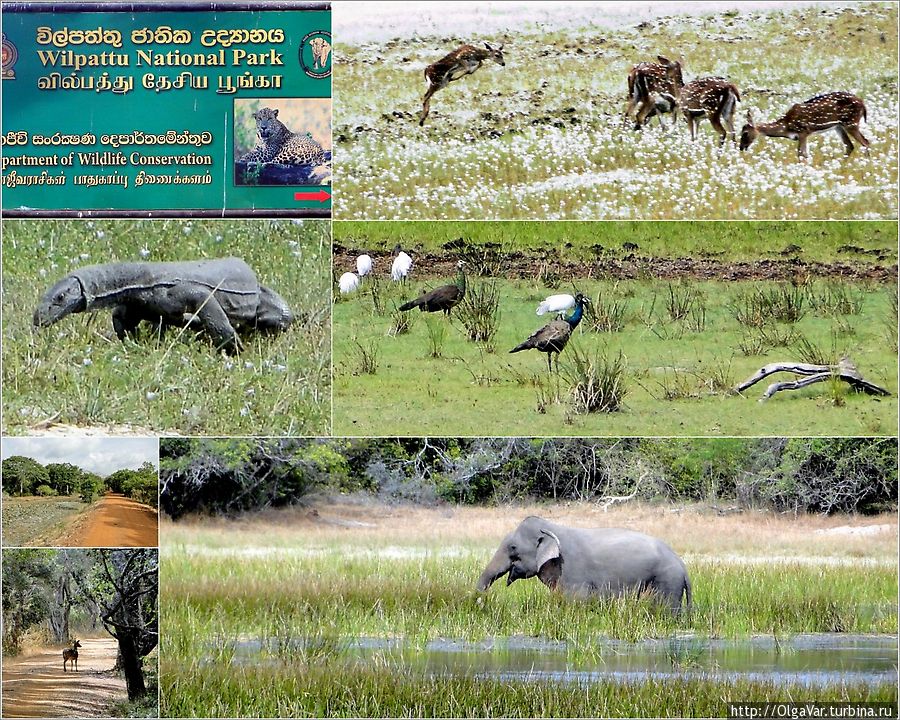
point(595, 561)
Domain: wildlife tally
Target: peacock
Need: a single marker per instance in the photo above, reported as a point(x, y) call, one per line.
point(443, 298)
point(552, 338)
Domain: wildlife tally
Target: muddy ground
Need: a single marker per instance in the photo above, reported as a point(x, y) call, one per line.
point(489, 260)
point(36, 686)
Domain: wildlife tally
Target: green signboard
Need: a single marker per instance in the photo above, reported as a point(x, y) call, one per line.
point(168, 109)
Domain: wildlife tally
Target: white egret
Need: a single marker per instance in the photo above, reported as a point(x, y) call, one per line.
point(556, 304)
point(401, 266)
point(348, 283)
point(364, 265)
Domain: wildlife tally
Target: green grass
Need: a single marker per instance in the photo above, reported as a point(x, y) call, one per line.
point(333, 690)
point(588, 242)
point(32, 520)
point(336, 595)
point(677, 372)
point(525, 141)
point(219, 591)
point(77, 373)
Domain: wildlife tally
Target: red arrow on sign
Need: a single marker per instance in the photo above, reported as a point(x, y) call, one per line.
point(320, 195)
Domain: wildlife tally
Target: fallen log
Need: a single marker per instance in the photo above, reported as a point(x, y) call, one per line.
point(845, 370)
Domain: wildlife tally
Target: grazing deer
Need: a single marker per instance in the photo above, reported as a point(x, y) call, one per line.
point(71, 656)
point(839, 110)
point(653, 89)
point(713, 98)
point(463, 61)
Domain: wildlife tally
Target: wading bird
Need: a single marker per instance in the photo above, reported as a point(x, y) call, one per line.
point(556, 304)
point(401, 266)
point(348, 283)
point(364, 265)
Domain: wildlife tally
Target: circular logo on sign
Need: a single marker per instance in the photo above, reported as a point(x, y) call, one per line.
point(315, 54)
point(10, 55)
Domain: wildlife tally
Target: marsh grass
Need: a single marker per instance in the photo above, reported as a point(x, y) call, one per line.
point(437, 334)
point(479, 313)
point(596, 382)
point(430, 595)
point(719, 377)
point(835, 298)
point(401, 322)
point(810, 352)
point(77, 372)
point(304, 588)
point(762, 306)
point(482, 260)
point(607, 312)
point(366, 358)
point(394, 692)
point(343, 690)
point(784, 302)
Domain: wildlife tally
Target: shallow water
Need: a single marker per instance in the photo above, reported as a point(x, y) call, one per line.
point(820, 659)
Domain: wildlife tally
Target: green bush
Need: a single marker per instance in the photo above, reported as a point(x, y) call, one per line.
point(45, 491)
point(90, 487)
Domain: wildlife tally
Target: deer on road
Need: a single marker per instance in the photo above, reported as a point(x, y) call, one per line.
point(463, 61)
point(839, 110)
point(71, 656)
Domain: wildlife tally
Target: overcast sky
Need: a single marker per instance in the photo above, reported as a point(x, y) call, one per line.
point(94, 454)
point(368, 21)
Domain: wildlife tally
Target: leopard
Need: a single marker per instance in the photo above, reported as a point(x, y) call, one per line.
point(277, 144)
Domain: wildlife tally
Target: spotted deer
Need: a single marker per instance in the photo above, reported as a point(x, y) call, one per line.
point(713, 98)
point(653, 89)
point(839, 110)
point(71, 656)
point(463, 61)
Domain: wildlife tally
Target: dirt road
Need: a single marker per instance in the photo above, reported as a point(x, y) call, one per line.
point(36, 686)
point(116, 521)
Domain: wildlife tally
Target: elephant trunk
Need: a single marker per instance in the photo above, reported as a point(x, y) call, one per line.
point(497, 568)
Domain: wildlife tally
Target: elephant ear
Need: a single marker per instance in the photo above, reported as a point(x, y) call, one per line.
point(548, 548)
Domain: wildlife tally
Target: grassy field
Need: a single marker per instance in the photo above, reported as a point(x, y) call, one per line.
point(77, 373)
point(32, 520)
point(675, 348)
point(387, 572)
point(542, 137)
point(857, 246)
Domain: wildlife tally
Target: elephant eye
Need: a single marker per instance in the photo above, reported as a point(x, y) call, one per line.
point(59, 297)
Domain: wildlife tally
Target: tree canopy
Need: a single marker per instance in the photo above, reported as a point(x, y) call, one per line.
point(823, 475)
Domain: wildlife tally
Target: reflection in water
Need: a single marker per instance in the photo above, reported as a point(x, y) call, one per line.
point(820, 659)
